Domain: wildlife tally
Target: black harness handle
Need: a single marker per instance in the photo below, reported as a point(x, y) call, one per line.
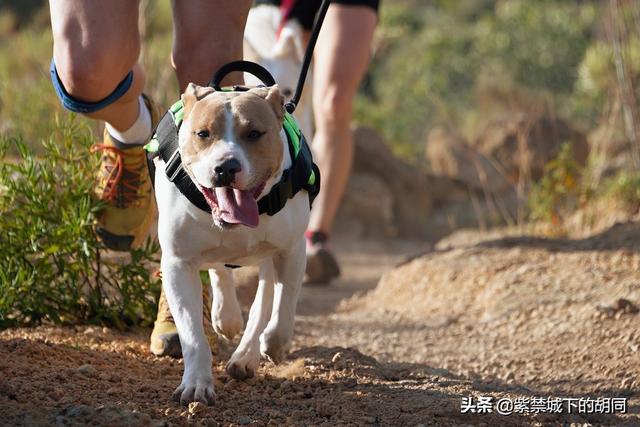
point(245, 66)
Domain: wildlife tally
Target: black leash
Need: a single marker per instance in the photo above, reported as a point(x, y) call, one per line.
point(308, 55)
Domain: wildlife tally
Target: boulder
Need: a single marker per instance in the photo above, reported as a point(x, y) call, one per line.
point(387, 194)
point(367, 208)
point(449, 155)
point(520, 142)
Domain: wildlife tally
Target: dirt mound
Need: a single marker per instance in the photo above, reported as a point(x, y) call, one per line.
point(560, 315)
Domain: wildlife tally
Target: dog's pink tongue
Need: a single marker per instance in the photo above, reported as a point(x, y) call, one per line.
point(237, 207)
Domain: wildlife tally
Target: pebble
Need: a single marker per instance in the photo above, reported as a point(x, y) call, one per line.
point(87, 370)
point(243, 421)
point(350, 383)
point(196, 408)
point(323, 410)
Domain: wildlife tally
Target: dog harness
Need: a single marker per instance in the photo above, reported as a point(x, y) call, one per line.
point(302, 175)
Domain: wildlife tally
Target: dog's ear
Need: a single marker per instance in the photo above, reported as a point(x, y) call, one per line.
point(193, 94)
point(290, 40)
point(273, 96)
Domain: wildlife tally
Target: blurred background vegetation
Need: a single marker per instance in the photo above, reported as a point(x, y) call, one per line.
point(435, 62)
point(452, 64)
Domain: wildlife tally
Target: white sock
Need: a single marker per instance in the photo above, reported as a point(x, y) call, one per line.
point(139, 132)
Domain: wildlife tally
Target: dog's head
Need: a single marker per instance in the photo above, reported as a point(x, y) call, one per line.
point(231, 146)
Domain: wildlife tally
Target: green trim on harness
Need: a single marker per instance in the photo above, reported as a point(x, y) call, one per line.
point(293, 131)
point(177, 112)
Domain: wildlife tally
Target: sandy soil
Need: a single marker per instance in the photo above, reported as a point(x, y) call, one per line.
point(479, 315)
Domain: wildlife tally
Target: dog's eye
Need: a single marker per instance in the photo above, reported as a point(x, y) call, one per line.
point(203, 134)
point(254, 135)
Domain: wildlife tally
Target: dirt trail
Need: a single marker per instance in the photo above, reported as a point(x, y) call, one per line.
point(480, 316)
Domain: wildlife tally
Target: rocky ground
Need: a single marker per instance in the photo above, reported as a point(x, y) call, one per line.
point(494, 315)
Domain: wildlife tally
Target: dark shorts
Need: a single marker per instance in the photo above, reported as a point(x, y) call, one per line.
point(305, 10)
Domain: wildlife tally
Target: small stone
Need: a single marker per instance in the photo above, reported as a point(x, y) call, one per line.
point(196, 408)
point(350, 383)
point(625, 306)
point(367, 419)
point(243, 421)
point(323, 410)
point(87, 370)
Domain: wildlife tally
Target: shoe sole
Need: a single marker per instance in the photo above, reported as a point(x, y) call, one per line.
point(167, 345)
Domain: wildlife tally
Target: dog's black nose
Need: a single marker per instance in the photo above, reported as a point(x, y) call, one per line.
point(226, 172)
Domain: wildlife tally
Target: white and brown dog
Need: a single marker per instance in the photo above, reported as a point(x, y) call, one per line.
point(234, 149)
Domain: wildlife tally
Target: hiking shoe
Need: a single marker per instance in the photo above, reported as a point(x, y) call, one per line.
point(164, 337)
point(322, 266)
point(123, 182)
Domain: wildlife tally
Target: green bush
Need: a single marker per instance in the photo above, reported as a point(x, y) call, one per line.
point(52, 264)
point(624, 187)
point(559, 191)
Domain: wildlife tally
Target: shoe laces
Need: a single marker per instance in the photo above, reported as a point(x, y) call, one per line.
point(120, 181)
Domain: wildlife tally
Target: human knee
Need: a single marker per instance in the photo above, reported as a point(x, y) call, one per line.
point(197, 62)
point(92, 73)
point(334, 107)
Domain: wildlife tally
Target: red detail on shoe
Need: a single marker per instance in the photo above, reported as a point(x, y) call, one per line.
point(316, 236)
point(117, 181)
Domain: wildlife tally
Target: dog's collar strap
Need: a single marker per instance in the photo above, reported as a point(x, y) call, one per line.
point(302, 175)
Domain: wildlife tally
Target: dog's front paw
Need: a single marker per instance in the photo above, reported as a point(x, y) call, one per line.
point(243, 364)
point(200, 390)
point(226, 318)
point(274, 346)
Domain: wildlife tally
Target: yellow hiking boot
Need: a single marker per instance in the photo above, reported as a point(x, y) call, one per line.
point(164, 337)
point(123, 182)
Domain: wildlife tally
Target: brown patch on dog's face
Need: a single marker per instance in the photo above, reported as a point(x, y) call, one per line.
point(222, 125)
point(193, 94)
